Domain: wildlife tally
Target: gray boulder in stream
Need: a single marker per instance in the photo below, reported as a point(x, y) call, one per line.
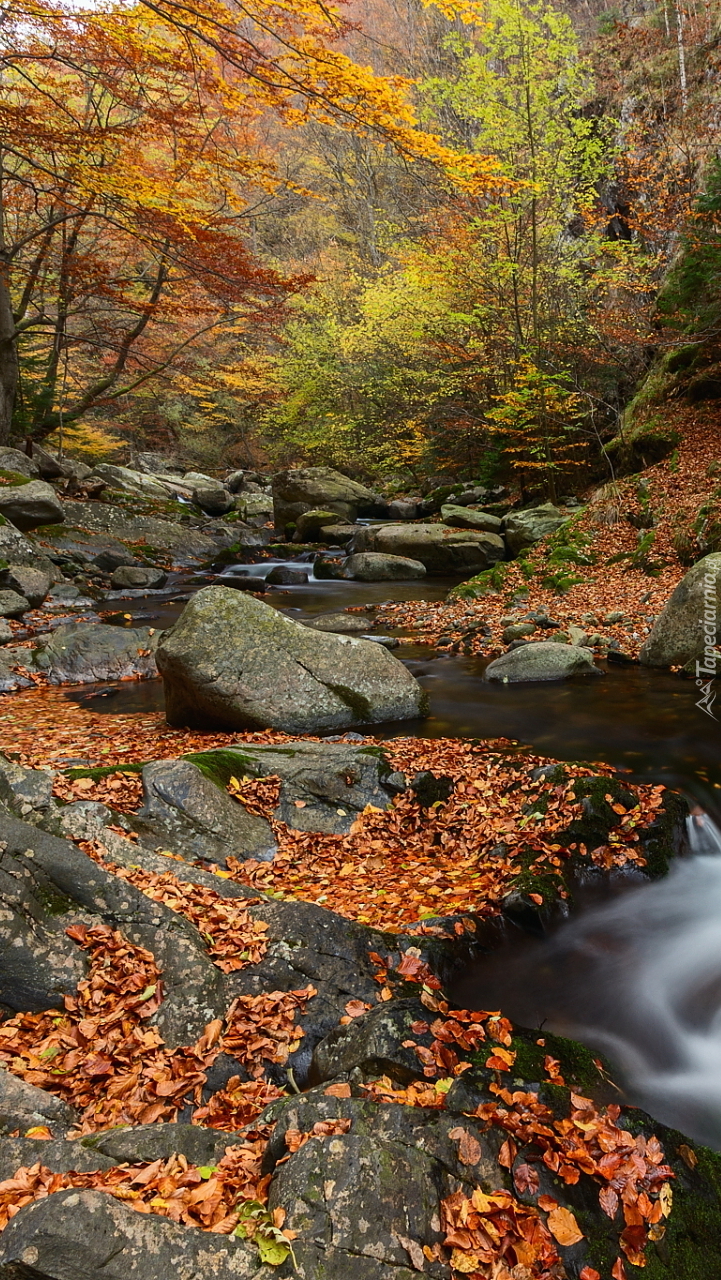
point(690, 622)
point(442, 550)
point(543, 661)
point(373, 566)
point(233, 662)
point(86, 652)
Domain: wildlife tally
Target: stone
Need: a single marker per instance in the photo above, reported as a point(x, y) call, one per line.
point(542, 661)
point(138, 576)
point(461, 517)
point(86, 652)
point(185, 810)
point(13, 605)
point(578, 636)
point(82, 1235)
point(231, 661)
point(689, 628)
point(616, 615)
point(337, 535)
point(23, 1105)
point(130, 481)
point(26, 792)
point(402, 509)
point(27, 506)
point(310, 524)
point(516, 631)
point(111, 560)
point(192, 478)
point(284, 575)
point(442, 550)
point(373, 566)
point(16, 549)
point(324, 785)
point(318, 488)
point(186, 543)
point(157, 464)
point(213, 499)
point(6, 632)
point(33, 584)
point(523, 529)
point(48, 884)
point(15, 461)
point(257, 507)
point(350, 624)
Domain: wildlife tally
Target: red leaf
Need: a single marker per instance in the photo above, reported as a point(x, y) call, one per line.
point(525, 1180)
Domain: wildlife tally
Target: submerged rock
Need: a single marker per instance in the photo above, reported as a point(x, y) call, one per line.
point(231, 661)
point(542, 661)
point(689, 629)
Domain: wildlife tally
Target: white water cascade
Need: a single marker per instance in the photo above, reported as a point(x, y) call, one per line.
point(638, 978)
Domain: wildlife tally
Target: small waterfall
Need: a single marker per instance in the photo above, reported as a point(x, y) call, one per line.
point(638, 978)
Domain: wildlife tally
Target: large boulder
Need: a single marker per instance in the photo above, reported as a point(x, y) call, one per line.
point(15, 549)
point(20, 463)
point(524, 528)
point(233, 662)
point(13, 605)
point(33, 584)
point(137, 576)
point(543, 661)
point(373, 566)
point(87, 652)
point(186, 811)
point(30, 505)
point(186, 544)
point(440, 549)
point(129, 481)
point(213, 499)
point(316, 488)
point(689, 629)
point(458, 517)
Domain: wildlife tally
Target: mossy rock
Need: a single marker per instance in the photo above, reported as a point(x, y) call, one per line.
point(14, 478)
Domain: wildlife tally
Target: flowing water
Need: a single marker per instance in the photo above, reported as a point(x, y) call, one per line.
point(637, 976)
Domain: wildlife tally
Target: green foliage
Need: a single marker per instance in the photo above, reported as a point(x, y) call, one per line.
point(256, 1223)
point(640, 557)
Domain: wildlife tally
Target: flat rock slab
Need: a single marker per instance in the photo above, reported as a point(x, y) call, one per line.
point(442, 550)
point(183, 541)
point(324, 785)
point(83, 1235)
point(233, 662)
point(543, 661)
point(86, 653)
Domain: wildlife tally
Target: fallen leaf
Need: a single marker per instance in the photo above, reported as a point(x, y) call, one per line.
point(563, 1226)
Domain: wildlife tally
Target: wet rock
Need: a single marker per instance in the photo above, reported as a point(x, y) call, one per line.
point(284, 575)
point(689, 627)
point(523, 529)
point(234, 662)
point(442, 550)
point(46, 884)
point(86, 653)
point(23, 1105)
point(15, 461)
point(186, 811)
point(138, 576)
point(349, 624)
point(543, 661)
point(374, 1044)
point(27, 506)
point(348, 1196)
point(81, 1235)
point(315, 489)
point(372, 566)
point(13, 605)
point(324, 785)
point(25, 791)
point(462, 517)
point(213, 499)
point(33, 584)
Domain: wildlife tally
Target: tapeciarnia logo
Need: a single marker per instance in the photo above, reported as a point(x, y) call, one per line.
point(707, 666)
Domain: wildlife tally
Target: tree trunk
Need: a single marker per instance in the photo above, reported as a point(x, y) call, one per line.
point(8, 345)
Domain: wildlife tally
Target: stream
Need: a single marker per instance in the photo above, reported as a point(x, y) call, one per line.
point(636, 976)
